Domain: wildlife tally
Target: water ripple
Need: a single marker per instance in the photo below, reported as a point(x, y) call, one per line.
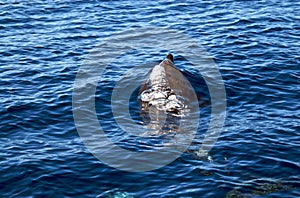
point(255, 45)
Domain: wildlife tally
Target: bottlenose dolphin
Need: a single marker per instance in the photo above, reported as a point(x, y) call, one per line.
point(166, 96)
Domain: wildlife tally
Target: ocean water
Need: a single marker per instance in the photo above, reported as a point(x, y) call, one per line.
point(255, 45)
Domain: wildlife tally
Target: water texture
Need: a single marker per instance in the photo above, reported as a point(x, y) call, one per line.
point(255, 45)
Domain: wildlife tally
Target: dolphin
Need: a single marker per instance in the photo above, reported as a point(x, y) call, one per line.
point(166, 96)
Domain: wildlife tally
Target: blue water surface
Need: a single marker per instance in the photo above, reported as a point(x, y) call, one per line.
point(255, 45)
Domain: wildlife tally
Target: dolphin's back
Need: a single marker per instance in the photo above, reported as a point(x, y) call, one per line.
point(178, 82)
point(167, 88)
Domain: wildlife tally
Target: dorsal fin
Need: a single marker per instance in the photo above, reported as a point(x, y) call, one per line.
point(170, 57)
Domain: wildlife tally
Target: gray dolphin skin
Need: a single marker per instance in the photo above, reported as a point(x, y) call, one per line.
point(166, 96)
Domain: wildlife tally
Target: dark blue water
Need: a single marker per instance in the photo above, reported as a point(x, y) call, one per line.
point(255, 45)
